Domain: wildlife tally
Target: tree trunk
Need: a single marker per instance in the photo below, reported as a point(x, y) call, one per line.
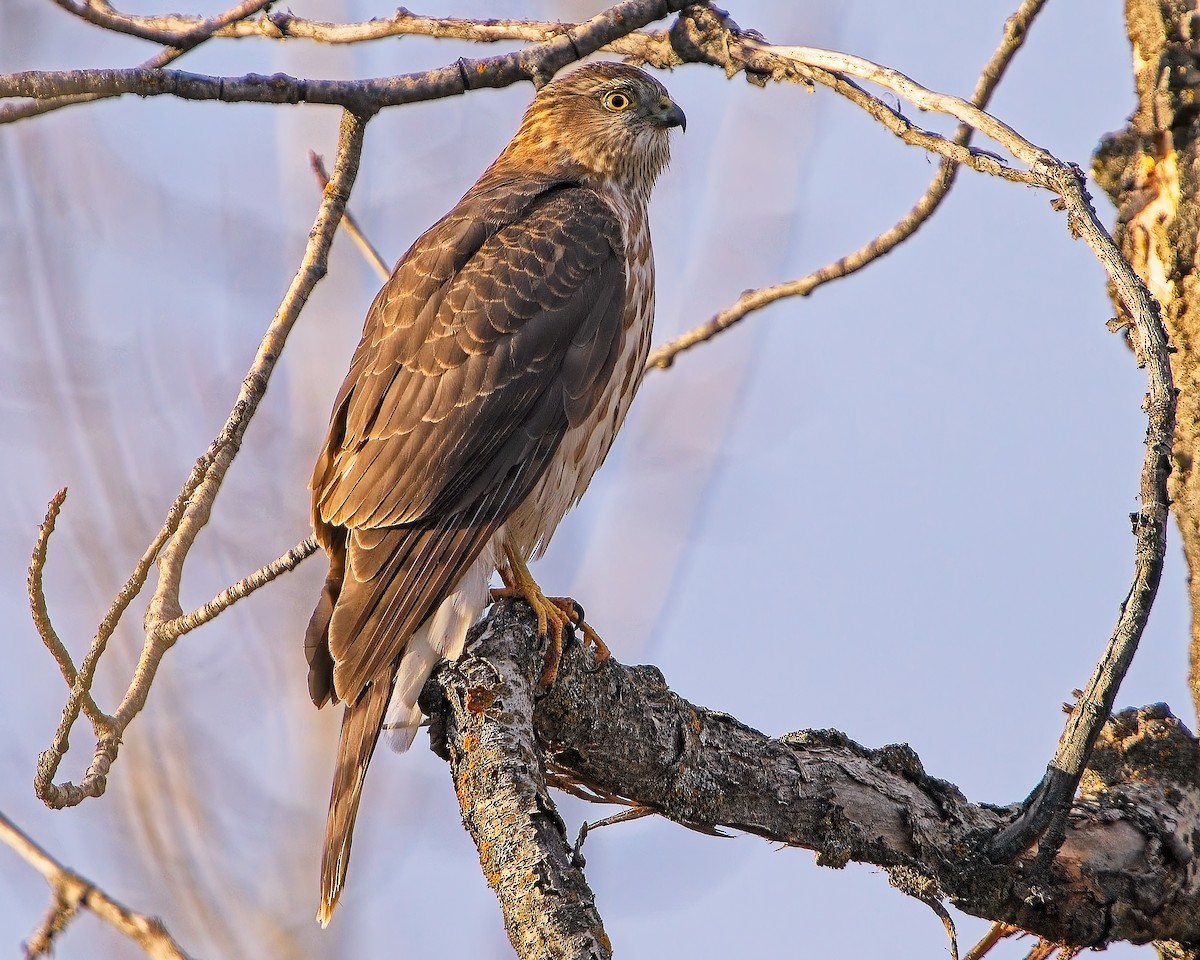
point(1151, 171)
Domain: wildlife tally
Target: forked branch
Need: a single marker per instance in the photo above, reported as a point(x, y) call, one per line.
point(1126, 871)
point(70, 892)
point(165, 620)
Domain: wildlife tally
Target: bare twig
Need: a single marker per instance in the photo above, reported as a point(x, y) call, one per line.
point(283, 25)
point(995, 934)
point(93, 783)
point(164, 621)
point(71, 891)
point(204, 30)
point(41, 615)
point(350, 225)
point(920, 886)
point(243, 588)
point(1015, 31)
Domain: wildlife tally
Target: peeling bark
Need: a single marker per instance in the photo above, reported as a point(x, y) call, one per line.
point(1151, 172)
point(1127, 871)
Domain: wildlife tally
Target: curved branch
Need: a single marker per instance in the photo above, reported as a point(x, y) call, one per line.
point(1125, 872)
point(1015, 31)
point(284, 25)
point(36, 589)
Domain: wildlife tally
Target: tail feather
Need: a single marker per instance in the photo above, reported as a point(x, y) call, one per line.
point(361, 724)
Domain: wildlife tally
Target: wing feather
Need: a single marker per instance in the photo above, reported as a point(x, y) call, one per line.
point(497, 331)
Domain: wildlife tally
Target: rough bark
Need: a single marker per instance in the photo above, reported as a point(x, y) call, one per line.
point(486, 732)
point(1126, 871)
point(1150, 171)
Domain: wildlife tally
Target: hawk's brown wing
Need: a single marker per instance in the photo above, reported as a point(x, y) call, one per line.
point(498, 330)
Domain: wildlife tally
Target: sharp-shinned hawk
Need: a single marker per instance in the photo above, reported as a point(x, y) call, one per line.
point(495, 368)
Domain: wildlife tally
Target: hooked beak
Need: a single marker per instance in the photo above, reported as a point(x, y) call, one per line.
point(668, 114)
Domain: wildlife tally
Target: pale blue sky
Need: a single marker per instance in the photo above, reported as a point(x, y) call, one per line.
point(897, 508)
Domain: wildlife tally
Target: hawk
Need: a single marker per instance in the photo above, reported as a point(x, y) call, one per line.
point(495, 367)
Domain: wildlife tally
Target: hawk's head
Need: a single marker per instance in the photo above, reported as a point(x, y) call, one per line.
point(605, 121)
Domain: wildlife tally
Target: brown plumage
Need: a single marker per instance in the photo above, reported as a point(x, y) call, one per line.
point(495, 367)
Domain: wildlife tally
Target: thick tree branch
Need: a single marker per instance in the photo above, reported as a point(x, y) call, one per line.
point(536, 63)
point(71, 891)
point(549, 910)
point(1125, 872)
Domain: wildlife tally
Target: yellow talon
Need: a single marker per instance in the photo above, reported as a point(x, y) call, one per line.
point(559, 612)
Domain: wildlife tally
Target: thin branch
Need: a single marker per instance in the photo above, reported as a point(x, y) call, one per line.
point(71, 891)
point(283, 25)
point(1015, 30)
point(93, 783)
point(243, 588)
point(41, 615)
point(203, 31)
point(920, 886)
point(536, 63)
point(191, 511)
point(350, 225)
point(1127, 872)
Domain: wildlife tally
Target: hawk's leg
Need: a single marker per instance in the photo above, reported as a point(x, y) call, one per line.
point(554, 614)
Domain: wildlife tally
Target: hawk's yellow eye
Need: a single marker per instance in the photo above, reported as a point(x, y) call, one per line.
point(617, 101)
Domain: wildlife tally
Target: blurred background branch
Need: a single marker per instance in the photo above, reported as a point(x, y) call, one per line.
point(70, 892)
